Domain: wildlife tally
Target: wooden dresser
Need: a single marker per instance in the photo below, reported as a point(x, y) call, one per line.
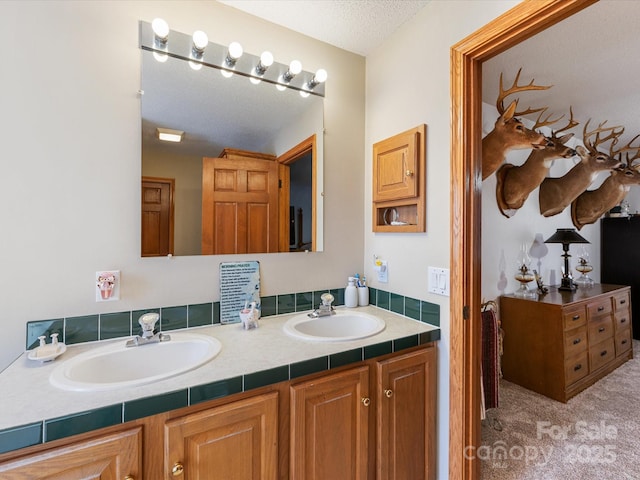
point(563, 342)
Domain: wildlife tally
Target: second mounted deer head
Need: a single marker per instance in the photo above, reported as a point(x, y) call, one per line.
point(509, 133)
point(515, 183)
point(556, 194)
point(592, 204)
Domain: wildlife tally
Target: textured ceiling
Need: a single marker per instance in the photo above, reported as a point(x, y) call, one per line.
point(354, 25)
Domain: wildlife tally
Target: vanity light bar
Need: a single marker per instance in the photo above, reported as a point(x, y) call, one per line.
point(168, 135)
point(180, 45)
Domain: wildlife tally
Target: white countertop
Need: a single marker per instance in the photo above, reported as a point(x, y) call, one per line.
point(28, 397)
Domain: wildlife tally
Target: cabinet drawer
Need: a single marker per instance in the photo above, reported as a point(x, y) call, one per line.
point(601, 354)
point(600, 329)
point(621, 301)
point(574, 317)
point(623, 319)
point(599, 307)
point(576, 368)
point(623, 341)
point(575, 342)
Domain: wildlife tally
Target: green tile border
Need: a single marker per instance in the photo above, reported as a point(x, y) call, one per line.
point(107, 326)
point(82, 422)
point(21, 437)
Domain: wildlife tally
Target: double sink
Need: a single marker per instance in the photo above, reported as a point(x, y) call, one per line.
point(117, 366)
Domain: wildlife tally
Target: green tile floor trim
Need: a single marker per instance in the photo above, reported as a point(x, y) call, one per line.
point(32, 434)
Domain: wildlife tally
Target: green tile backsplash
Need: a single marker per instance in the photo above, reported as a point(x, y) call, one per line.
point(123, 324)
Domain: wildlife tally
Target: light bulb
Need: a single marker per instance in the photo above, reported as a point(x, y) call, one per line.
point(226, 73)
point(235, 50)
point(195, 65)
point(321, 75)
point(160, 57)
point(281, 87)
point(295, 67)
point(200, 40)
point(304, 93)
point(254, 80)
point(160, 29)
point(266, 59)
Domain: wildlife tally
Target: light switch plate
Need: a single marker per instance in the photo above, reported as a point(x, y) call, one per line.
point(439, 281)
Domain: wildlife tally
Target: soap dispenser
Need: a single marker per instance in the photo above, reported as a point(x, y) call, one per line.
point(351, 294)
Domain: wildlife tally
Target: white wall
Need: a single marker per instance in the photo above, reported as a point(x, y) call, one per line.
point(70, 148)
point(408, 84)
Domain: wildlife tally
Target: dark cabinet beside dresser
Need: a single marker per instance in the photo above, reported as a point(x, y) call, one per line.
point(620, 258)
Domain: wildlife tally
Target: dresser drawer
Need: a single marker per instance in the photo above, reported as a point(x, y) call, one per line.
point(576, 368)
point(574, 317)
point(622, 319)
point(599, 307)
point(575, 341)
point(623, 341)
point(601, 354)
point(600, 329)
point(621, 301)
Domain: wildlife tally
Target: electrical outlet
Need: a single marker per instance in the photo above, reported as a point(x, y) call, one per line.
point(439, 281)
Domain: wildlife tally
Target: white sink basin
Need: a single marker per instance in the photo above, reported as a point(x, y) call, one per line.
point(116, 366)
point(341, 327)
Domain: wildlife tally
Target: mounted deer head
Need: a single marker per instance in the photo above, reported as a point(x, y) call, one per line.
point(509, 133)
point(592, 204)
point(556, 194)
point(515, 183)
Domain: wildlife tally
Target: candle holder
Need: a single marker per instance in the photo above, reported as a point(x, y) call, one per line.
point(584, 267)
point(524, 275)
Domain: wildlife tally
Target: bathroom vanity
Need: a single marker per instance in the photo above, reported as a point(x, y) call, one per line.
point(362, 409)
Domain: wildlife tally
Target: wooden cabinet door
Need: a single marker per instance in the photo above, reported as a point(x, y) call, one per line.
point(108, 457)
point(239, 206)
point(395, 166)
point(330, 426)
point(236, 441)
point(405, 416)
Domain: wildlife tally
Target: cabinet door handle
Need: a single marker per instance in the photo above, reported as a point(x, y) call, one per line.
point(576, 341)
point(603, 353)
point(409, 173)
point(575, 317)
point(601, 329)
point(388, 393)
point(577, 367)
point(366, 401)
point(178, 469)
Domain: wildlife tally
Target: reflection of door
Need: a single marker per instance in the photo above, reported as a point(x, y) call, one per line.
point(239, 205)
point(157, 216)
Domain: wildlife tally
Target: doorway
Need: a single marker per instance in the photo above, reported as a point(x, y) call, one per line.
point(521, 22)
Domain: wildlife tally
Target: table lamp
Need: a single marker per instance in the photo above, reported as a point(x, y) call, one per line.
point(566, 236)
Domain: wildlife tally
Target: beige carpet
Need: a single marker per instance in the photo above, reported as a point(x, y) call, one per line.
point(596, 435)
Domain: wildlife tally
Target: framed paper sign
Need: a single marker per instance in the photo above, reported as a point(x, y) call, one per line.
point(239, 286)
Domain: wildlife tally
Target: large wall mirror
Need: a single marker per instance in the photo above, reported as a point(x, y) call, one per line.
point(243, 121)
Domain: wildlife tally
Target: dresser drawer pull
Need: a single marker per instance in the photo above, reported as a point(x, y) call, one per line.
point(623, 342)
point(622, 302)
point(622, 320)
point(577, 367)
point(601, 308)
point(601, 329)
point(603, 353)
point(576, 341)
point(575, 317)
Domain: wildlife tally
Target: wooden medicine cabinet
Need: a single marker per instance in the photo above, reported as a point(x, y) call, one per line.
point(399, 179)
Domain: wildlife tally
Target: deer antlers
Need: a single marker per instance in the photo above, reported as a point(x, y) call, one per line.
point(515, 88)
point(592, 146)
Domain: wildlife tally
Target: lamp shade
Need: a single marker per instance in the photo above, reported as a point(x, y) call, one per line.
point(566, 236)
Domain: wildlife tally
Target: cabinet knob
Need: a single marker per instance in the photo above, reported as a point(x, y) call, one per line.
point(600, 309)
point(623, 320)
point(366, 401)
point(601, 329)
point(575, 317)
point(388, 393)
point(603, 353)
point(177, 470)
point(409, 173)
point(576, 341)
point(622, 302)
point(577, 367)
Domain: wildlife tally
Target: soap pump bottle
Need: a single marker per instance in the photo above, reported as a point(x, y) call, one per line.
point(351, 294)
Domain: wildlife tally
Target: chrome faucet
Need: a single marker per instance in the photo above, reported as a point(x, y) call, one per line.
point(148, 323)
point(324, 309)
